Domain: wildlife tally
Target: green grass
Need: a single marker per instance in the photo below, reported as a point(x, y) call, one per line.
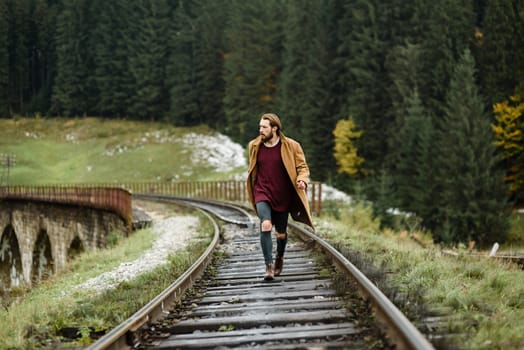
point(516, 233)
point(49, 305)
point(486, 296)
point(91, 150)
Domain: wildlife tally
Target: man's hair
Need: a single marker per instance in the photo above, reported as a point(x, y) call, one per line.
point(274, 120)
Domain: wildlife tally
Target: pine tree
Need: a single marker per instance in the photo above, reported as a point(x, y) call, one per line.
point(472, 196)
point(321, 90)
point(19, 52)
point(110, 57)
point(500, 49)
point(384, 198)
point(403, 67)
point(209, 48)
point(43, 59)
point(182, 69)
point(70, 89)
point(123, 79)
point(413, 174)
point(90, 11)
point(364, 54)
point(4, 61)
point(403, 29)
point(519, 71)
point(148, 58)
point(252, 65)
point(292, 94)
point(446, 33)
point(195, 70)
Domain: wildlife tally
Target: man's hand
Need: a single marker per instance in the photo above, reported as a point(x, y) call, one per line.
point(301, 185)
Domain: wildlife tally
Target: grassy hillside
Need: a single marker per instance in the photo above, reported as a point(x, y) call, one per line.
point(97, 150)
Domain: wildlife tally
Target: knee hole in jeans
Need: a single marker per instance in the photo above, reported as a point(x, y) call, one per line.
point(266, 225)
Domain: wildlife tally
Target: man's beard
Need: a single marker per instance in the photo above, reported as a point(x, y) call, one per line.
point(268, 137)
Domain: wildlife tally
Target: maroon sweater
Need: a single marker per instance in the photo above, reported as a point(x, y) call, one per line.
point(272, 183)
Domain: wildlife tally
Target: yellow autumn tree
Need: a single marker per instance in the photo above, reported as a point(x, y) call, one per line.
point(346, 154)
point(509, 136)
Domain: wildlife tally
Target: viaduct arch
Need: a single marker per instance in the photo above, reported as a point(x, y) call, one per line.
point(37, 239)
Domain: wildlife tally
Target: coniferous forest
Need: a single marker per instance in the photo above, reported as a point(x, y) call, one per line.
point(427, 96)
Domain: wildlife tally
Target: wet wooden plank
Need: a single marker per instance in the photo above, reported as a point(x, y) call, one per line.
point(235, 338)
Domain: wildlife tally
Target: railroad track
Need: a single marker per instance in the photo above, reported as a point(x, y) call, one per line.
point(311, 305)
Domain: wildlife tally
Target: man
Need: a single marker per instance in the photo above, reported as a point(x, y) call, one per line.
point(277, 180)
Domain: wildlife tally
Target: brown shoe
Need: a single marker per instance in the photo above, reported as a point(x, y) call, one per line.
point(269, 272)
point(279, 264)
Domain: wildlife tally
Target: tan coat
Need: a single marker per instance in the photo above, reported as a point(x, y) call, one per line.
point(297, 169)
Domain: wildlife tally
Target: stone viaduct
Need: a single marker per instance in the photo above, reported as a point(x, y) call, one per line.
point(37, 239)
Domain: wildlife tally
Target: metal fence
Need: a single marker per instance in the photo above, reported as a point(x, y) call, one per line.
point(234, 191)
point(113, 199)
point(117, 196)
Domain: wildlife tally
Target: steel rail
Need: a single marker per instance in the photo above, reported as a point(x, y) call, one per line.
point(194, 202)
point(403, 333)
point(118, 338)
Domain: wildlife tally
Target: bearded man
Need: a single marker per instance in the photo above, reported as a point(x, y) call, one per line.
point(277, 180)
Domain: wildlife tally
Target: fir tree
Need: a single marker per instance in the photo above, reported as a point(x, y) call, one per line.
point(384, 198)
point(447, 31)
point(401, 29)
point(148, 58)
point(182, 69)
point(19, 42)
point(472, 196)
point(413, 175)
point(110, 58)
point(90, 11)
point(252, 65)
point(70, 89)
point(500, 50)
point(363, 48)
point(43, 59)
point(209, 48)
point(403, 66)
point(292, 94)
point(4, 61)
point(320, 90)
